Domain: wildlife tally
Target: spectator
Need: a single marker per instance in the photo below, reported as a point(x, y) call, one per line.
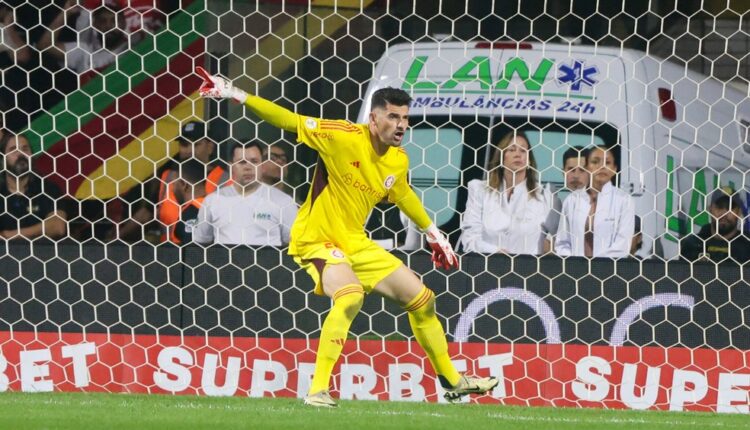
point(637, 243)
point(273, 169)
point(30, 205)
point(598, 221)
point(246, 211)
point(15, 62)
point(190, 191)
point(574, 168)
point(194, 144)
point(508, 211)
point(13, 47)
point(97, 46)
point(721, 239)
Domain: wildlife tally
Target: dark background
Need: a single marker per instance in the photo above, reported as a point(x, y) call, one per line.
point(218, 291)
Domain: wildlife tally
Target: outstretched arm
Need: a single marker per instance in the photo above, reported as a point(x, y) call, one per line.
point(218, 87)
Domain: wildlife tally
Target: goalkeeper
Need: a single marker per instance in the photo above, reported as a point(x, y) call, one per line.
point(359, 165)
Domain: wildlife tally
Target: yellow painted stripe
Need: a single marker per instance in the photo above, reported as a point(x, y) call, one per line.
point(139, 159)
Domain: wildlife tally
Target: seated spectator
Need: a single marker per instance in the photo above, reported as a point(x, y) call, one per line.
point(194, 144)
point(273, 169)
point(597, 221)
point(30, 205)
point(246, 211)
point(190, 191)
point(13, 47)
point(721, 239)
point(507, 212)
point(97, 46)
point(574, 168)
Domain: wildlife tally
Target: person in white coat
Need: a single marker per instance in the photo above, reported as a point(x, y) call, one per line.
point(509, 211)
point(246, 211)
point(597, 221)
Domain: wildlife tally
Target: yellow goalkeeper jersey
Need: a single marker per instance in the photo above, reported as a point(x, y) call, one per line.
point(349, 179)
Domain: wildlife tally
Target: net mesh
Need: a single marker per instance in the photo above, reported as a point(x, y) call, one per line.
point(115, 298)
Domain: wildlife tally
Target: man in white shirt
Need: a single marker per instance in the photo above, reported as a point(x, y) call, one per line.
point(574, 168)
point(246, 211)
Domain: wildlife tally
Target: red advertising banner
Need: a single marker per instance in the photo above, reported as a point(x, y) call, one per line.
point(531, 374)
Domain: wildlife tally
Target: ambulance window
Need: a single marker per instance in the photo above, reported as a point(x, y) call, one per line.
point(443, 152)
point(547, 150)
point(435, 168)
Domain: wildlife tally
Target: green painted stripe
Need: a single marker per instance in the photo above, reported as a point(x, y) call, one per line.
point(132, 68)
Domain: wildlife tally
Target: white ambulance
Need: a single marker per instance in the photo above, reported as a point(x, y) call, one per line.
point(680, 134)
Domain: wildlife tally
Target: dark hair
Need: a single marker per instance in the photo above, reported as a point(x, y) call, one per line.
point(727, 202)
point(7, 136)
point(284, 146)
point(192, 171)
point(234, 145)
point(4, 140)
point(615, 156)
point(575, 152)
point(389, 95)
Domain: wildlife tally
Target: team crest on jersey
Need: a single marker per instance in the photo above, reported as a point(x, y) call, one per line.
point(336, 253)
point(311, 123)
point(389, 182)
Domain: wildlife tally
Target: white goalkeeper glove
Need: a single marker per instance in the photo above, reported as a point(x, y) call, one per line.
point(217, 87)
point(442, 251)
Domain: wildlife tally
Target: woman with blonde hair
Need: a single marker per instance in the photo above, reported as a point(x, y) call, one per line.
point(508, 212)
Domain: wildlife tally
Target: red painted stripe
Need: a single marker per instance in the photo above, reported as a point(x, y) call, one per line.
point(71, 160)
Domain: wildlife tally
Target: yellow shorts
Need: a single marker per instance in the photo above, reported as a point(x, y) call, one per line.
point(370, 264)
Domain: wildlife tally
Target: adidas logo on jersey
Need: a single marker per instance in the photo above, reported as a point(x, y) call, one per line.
point(355, 164)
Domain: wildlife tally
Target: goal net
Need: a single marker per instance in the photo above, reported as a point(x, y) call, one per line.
point(650, 310)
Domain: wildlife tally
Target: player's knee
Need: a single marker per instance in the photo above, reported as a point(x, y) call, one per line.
point(350, 299)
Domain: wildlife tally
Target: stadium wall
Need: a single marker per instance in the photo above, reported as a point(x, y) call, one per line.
point(217, 321)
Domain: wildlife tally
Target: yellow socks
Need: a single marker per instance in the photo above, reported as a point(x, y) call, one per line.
point(431, 336)
point(347, 302)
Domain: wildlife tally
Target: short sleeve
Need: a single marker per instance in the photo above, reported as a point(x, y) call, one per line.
point(203, 229)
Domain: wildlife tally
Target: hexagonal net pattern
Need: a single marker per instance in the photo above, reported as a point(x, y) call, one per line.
point(588, 162)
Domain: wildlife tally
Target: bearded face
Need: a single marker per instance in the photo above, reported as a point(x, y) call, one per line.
point(725, 220)
point(18, 156)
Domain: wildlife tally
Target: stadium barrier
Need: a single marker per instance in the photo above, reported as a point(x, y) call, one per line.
point(241, 321)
